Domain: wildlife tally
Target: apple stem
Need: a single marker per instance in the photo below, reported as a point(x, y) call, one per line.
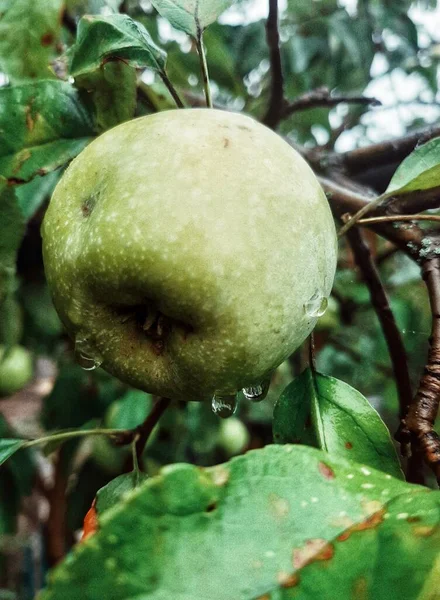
point(312, 353)
point(144, 429)
point(204, 69)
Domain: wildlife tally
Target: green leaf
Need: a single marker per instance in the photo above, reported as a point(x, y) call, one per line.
point(8, 447)
point(255, 523)
point(129, 411)
point(114, 492)
point(191, 16)
point(42, 126)
point(419, 171)
point(114, 37)
point(29, 32)
point(31, 195)
point(345, 423)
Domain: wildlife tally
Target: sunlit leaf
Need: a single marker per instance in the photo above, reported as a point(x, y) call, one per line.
point(191, 16)
point(419, 171)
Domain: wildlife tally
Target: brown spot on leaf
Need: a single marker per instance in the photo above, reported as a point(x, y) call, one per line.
point(370, 522)
point(287, 580)
point(423, 530)
point(414, 519)
point(47, 39)
point(360, 591)
point(348, 445)
point(30, 121)
point(315, 549)
point(279, 507)
point(265, 597)
point(326, 471)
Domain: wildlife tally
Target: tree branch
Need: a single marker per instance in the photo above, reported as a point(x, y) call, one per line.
point(381, 305)
point(274, 111)
point(377, 155)
point(423, 411)
point(143, 431)
point(323, 97)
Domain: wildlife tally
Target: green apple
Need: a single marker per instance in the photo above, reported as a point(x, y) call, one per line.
point(16, 369)
point(189, 252)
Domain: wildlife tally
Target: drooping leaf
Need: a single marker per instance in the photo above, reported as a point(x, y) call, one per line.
point(8, 447)
point(29, 31)
point(419, 171)
point(42, 126)
point(345, 424)
point(113, 37)
point(255, 523)
point(116, 489)
point(191, 16)
point(30, 196)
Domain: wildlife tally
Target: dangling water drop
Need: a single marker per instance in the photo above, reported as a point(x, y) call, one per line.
point(224, 406)
point(86, 355)
point(316, 306)
point(257, 393)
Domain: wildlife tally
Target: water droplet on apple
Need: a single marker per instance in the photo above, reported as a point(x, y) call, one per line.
point(86, 355)
point(316, 306)
point(224, 406)
point(257, 393)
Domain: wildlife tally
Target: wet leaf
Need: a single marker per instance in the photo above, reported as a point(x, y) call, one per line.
point(114, 37)
point(191, 16)
point(29, 32)
point(419, 171)
point(344, 422)
point(257, 522)
point(42, 126)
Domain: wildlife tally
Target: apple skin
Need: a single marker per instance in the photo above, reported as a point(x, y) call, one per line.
point(16, 370)
point(205, 217)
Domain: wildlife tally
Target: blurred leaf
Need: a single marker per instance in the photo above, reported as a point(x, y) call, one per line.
point(276, 511)
point(191, 16)
point(11, 322)
point(8, 447)
point(130, 411)
point(419, 171)
point(29, 31)
point(345, 424)
point(42, 126)
point(31, 195)
point(116, 489)
point(115, 37)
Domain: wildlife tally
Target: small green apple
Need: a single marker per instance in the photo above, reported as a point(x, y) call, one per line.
point(189, 252)
point(16, 369)
point(233, 436)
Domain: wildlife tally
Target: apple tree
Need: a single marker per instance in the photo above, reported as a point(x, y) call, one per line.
point(219, 299)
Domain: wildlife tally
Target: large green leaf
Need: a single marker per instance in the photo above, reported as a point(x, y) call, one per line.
point(29, 31)
point(419, 171)
point(250, 527)
point(42, 126)
point(114, 37)
point(344, 422)
point(191, 16)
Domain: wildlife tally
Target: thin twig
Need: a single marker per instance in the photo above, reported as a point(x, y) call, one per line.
point(204, 69)
point(392, 218)
point(275, 108)
point(381, 305)
point(171, 89)
point(144, 430)
point(323, 97)
point(423, 411)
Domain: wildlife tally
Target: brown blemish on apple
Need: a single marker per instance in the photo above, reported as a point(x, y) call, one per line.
point(87, 206)
point(314, 549)
point(360, 591)
point(326, 471)
point(225, 142)
point(47, 39)
point(348, 445)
